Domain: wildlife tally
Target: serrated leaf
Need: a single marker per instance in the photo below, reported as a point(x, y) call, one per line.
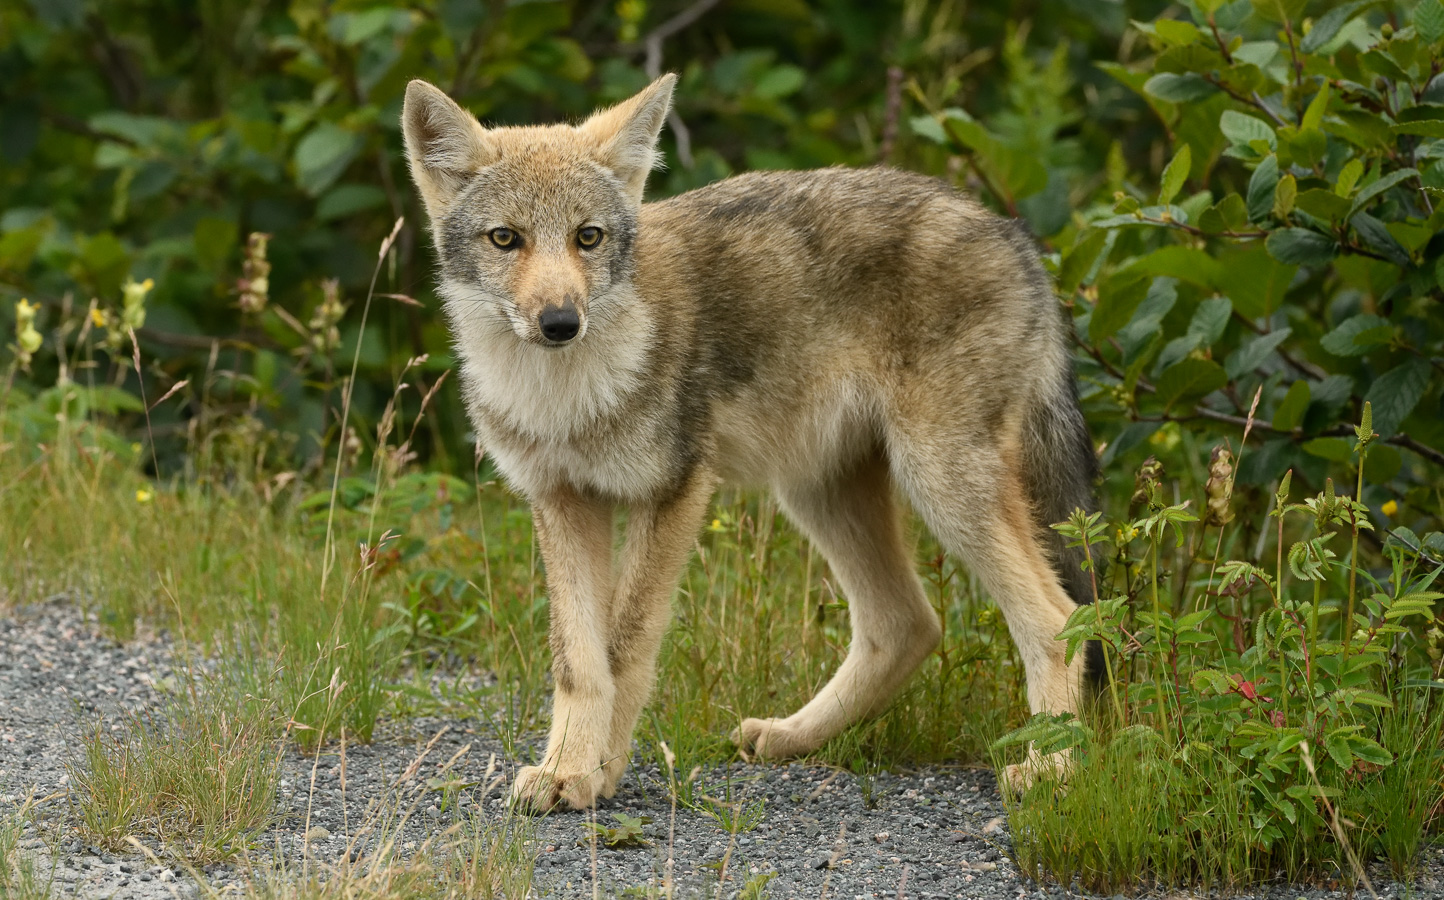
point(1175, 175)
point(1429, 20)
point(1242, 129)
point(1300, 246)
point(1357, 335)
point(1380, 186)
point(1290, 411)
point(1261, 187)
point(1377, 237)
point(1189, 379)
point(1394, 394)
point(1173, 88)
point(1284, 195)
point(1329, 24)
point(1369, 751)
point(1337, 745)
point(1323, 204)
point(1249, 356)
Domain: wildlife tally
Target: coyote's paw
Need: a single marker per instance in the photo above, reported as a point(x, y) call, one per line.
point(769, 739)
point(1038, 767)
point(544, 787)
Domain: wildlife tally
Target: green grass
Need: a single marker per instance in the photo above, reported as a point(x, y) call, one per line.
point(20, 878)
point(200, 775)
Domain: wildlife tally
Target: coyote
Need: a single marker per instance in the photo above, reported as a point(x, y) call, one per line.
point(842, 336)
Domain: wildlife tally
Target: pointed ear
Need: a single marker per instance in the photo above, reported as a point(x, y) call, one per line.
point(626, 134)
point(444, 144)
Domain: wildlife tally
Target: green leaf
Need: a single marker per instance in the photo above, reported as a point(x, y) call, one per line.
point(1080, 260)
point(1242, 129)
point(1380, 186)
point(348, 199)
point(1369, 751)
point(1177, 261)
point(1290, 410)
point(1253, 279)
point(1357, 335)
point(1228, 214)
point(1337, 744)
point(1301, 247)
point(1184, 88)
point(1375, 236)
point(1175, 174)
point(322, 155)
point(1188, 380)
point(779, 82)
point(1020, 174)
point(1261, 186)
point(928, 127)
point(1323, 204)
point(1429, 20)
point(1118, 297)
point(1249, 356)
point(1317, 107)
point(215, 239)
point(1329, 24)
point(1394, 394)
point(1284, 195)
point(1349, 176)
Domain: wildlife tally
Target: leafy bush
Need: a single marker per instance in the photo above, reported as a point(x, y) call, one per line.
point(1281, 277)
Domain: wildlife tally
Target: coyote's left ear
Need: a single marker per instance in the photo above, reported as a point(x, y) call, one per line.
point(626, 134)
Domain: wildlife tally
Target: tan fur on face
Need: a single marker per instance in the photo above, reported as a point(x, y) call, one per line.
point(841, 336)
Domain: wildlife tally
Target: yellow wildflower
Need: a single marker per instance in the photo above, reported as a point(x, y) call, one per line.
point(143, 496)
point(1390, 509)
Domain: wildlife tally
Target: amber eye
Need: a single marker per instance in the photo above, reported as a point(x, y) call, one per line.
point(589, 237)
point(504, 238)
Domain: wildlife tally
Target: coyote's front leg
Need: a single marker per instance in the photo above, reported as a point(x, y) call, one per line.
point(659, 540)
point(575, 534)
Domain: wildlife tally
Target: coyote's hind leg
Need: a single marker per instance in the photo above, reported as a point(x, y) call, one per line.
point(972, 498)
point(854, 521)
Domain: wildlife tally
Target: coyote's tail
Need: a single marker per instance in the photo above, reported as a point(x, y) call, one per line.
point(1061, 468)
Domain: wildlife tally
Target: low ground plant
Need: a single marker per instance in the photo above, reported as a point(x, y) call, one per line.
point(20, 875)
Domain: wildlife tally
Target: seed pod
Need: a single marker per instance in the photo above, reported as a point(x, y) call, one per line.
point(1219, 487)
point(1146, 482)
point(255, 281)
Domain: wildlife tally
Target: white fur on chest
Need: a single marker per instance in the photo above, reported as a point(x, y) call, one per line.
point(550, 399)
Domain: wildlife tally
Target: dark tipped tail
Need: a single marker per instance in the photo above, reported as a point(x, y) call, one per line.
point(1062, 468)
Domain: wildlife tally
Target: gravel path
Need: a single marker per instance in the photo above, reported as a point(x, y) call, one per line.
point(928, 833)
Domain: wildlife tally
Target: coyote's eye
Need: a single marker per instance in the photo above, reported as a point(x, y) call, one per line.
point(589, 237)
point(504, 238)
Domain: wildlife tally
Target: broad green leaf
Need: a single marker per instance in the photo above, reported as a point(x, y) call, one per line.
point(928, 127)
point(1337, 745)
point(1349, 176)
point(322, 155)
point(1357, 335)
point(1376, 237)
point(1080, 260)
point(1241, 128)
point(1174, 88)
point(1328, 25)
point(1285, 193)
point(1175, 174)
point(1380, 186)
point(1188, 380)
point(1020, 174)
point(1323, 204)
point(1177, 261)
point(1228, 214)
point(1118, 298)
point(1261, 186)
point(348, 199)
point(1317, 107)
point(1253, 279)
point(1394, 394)
point(1290, 411)
point(1249, 356)
point(1369, 751)
point(1429, 20)
point(1299, 246)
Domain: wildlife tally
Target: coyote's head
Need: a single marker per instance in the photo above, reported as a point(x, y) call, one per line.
point(535, 225)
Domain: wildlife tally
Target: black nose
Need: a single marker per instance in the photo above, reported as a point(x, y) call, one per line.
point(559, 324)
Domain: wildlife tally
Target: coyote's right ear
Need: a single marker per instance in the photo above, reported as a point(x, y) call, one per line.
point(444, 144)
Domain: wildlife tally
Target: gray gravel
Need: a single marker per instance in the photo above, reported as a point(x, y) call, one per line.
point(918, 834)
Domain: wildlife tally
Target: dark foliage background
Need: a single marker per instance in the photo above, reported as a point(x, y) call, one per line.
point(149, 139)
